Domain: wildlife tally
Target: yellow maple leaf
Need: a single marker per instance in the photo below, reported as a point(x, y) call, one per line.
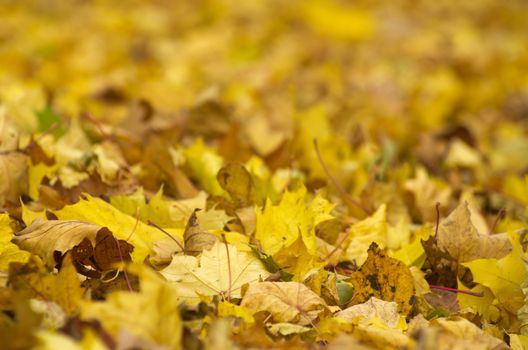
point(363, 233)
point(226, 308)
point(374, 311)
point(290, 302)
point(413, 253)
point(9, 252)
point(278, 226)
point(504, 276)
point(385, 278)
point(154, 311)
point(204, 164)
point(125, 227)
point(221, 270)
point(157, 209)
point(63, 288)
point(296, 259)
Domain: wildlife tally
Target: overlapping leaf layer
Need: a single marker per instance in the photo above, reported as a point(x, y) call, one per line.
point(263, 174)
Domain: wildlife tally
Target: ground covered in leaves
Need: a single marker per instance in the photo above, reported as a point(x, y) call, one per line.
point(226, 174)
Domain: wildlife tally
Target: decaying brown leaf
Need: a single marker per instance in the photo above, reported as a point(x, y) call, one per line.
point(103, 255)
point(385, 278)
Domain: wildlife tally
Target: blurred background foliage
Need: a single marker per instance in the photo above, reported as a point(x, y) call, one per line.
point(441, 85)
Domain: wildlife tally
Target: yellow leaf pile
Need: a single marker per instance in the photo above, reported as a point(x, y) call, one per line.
point(263, 174)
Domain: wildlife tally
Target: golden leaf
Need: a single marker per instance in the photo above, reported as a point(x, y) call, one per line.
point(289, 302)
point(384, 278)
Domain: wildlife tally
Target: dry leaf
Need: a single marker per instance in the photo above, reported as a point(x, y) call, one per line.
point(221, 270)
point(458, 237)
point(63, 288)
point(289, 302)
point(45, 237)
point(195, 238)
point(385, 278)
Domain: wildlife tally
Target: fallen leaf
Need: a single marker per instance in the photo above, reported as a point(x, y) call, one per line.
point(279, 226)
point(374, 311)
point(504, 276)
point(236, 180)
point(63, 288)
point(221, 270)
point(105, 252)
point(155, 309)
point(9, 252)
point(286, 329)
point(363, 233)
point(384, 278)
point(204, 164)
point(195, 238)
point(472, 335)
point(43, 238)
point(458, 237)
point(13, 177)
point(289, 302)
point(122, 226)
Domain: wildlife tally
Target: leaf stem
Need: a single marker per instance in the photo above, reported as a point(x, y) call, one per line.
point(168, 234)
point(336, 184)
point(228, 268)
point(500, 214)
point(124, 269)
point(437, 206)
point(454, 290)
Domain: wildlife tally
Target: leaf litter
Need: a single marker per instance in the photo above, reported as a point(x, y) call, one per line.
point(222, 174)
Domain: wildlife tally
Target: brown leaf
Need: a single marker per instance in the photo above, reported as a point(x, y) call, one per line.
point(103, 255)
point(441, 268)
point(37, 155)
point(195, 238)
point(56, 195)
point(13, 176)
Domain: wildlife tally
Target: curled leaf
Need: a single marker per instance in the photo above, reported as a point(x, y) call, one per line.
point(195, 238)
point(236, 180)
